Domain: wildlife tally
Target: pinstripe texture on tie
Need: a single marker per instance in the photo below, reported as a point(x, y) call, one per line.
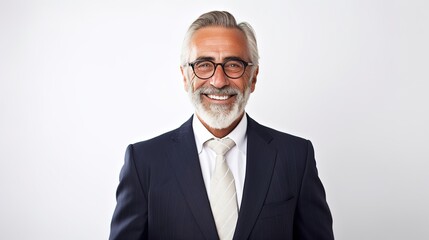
point(223, 196)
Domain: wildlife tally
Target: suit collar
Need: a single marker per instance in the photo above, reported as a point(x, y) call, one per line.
point(261, 157)
point(188, 174)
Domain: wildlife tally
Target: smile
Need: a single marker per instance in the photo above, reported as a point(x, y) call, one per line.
point(219, 97)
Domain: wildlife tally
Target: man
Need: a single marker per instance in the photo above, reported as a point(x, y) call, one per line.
point(263, 185)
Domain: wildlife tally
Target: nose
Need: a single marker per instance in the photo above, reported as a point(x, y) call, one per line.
point(219, 79)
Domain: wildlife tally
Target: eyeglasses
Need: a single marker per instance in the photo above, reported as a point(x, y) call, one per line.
point(205, 69)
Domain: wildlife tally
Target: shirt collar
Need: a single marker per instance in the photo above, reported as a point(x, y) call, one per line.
point(238, 134)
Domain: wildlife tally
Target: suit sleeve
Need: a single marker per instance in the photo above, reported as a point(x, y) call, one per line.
point(313, 219)
point(129, 221)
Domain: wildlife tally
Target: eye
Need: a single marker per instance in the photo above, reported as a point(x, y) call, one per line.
point(205, 65)
point(234, 65)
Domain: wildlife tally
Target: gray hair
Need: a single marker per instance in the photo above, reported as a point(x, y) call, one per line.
point(222, 19)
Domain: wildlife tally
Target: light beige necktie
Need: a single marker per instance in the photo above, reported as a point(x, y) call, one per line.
point(223, 197)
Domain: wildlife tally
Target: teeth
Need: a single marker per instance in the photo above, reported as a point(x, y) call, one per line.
point(217, 97)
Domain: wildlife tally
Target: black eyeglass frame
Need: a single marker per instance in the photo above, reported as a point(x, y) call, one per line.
point(245, 64)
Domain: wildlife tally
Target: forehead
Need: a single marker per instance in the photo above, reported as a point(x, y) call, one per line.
point(218, 43)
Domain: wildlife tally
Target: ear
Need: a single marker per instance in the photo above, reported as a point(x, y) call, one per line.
point(185, 81)
point(254, 78)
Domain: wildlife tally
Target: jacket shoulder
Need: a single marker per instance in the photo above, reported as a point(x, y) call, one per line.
point(156, 141)
point(168, 137)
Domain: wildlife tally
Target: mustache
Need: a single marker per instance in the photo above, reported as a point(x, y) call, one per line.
point(221, 91)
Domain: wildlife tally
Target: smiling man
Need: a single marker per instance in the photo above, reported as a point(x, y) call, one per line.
point(221, 78)
point(221, 175)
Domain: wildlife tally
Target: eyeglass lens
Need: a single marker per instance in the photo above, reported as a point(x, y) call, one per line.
point(231, 68)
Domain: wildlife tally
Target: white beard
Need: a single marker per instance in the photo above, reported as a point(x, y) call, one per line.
point(218, 116)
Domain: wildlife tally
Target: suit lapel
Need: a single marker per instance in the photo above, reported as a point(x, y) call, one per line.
point(260, 165)
point(188, 173)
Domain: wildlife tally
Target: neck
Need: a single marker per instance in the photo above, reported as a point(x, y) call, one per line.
point(220, 133)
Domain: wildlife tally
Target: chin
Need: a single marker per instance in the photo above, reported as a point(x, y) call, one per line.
point(217, 117)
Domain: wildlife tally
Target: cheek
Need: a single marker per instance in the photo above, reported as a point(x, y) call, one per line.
point(243, 84)
point(196, 83)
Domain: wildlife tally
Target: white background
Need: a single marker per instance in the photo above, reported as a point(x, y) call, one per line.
point(81, 79)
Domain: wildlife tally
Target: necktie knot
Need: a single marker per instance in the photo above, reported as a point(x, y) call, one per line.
point(220, 146)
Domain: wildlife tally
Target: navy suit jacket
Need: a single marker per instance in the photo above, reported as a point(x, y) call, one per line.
point(161, 194)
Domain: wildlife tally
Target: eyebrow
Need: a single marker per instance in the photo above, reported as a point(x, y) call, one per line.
point(233, 58)
point(204, 58)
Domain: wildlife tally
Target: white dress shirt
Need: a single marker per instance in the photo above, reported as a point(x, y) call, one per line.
point(235, 158)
